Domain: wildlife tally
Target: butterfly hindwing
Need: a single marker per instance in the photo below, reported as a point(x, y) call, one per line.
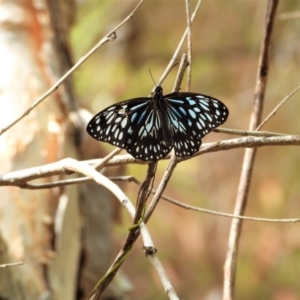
point(147, 139)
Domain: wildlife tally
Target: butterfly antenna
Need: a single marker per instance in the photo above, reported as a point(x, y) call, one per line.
point(165, 75)
point(152, 78)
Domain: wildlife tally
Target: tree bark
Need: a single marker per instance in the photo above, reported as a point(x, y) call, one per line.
point(41, 228)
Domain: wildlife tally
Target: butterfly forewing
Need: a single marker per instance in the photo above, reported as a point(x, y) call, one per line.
point(133, 125)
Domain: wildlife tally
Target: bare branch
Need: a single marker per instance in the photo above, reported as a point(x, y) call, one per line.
point(11, 264)
point(189, 46)
point(132, 236)
point(111, 36)
point(247, 133)
point(273, 112)
point(78, 167)
point(289, 15)
point(182, 67)
point(163, 183)
point(20, 178)
point(176, 53)
point(226, 215)
point(249, 157)
point(203, 210)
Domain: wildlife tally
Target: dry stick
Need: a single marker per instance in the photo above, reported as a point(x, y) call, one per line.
point(161, 187)
point(131, 237)
point(273, 112)
point(73, 165)
point(173, 162)
point(189, 44)
point(153, 191)
point(109, 37)
point(248, 133)
point(101, 164)
point(144, 192)
point(135, 231)
point(20, 178)
point(175, 55)
point(245, 179)
point(182, 67)
point(226, 215)
point(23, 184)
point(134, 234)
point(289, 15)
point(70, 166)
point(66, 182)
point(180, 74)
point(11, 264)
point(204, 210)
point(245, 142)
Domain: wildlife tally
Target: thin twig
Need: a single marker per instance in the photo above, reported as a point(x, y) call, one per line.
point(78, 167)
point(11, 264)
point(99, 166)
point(273, 112)
point(144, 192)
point(109, 37)
point(134, 230)
point(163, 183)
point(169, 199)
point(176, 52)
point(71, 165)
point(181, 70)
point(140, 207)
point(289, 15)
point(189, 46)
point(226, 215)
point(249, 157)
point(20, 178)
point(204, 210)
point(248, 133)
point(132, 236)
point(247, 142)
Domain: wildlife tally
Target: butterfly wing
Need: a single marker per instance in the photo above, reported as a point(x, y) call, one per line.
point(133, 125)
point(190, 117)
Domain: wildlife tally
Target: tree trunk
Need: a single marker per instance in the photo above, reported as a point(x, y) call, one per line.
point(61, 236)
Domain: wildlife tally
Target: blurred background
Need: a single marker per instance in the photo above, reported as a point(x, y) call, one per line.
point(192, 246)
point(226, 43)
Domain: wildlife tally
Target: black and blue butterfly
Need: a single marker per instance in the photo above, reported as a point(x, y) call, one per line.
point(149, 127)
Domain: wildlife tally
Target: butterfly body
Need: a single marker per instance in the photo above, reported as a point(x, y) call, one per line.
point(148, 128)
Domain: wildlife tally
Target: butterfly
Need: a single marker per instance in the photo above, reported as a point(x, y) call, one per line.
point(149, 127)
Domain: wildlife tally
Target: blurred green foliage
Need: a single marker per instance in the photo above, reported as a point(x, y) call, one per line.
point(226, 45)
